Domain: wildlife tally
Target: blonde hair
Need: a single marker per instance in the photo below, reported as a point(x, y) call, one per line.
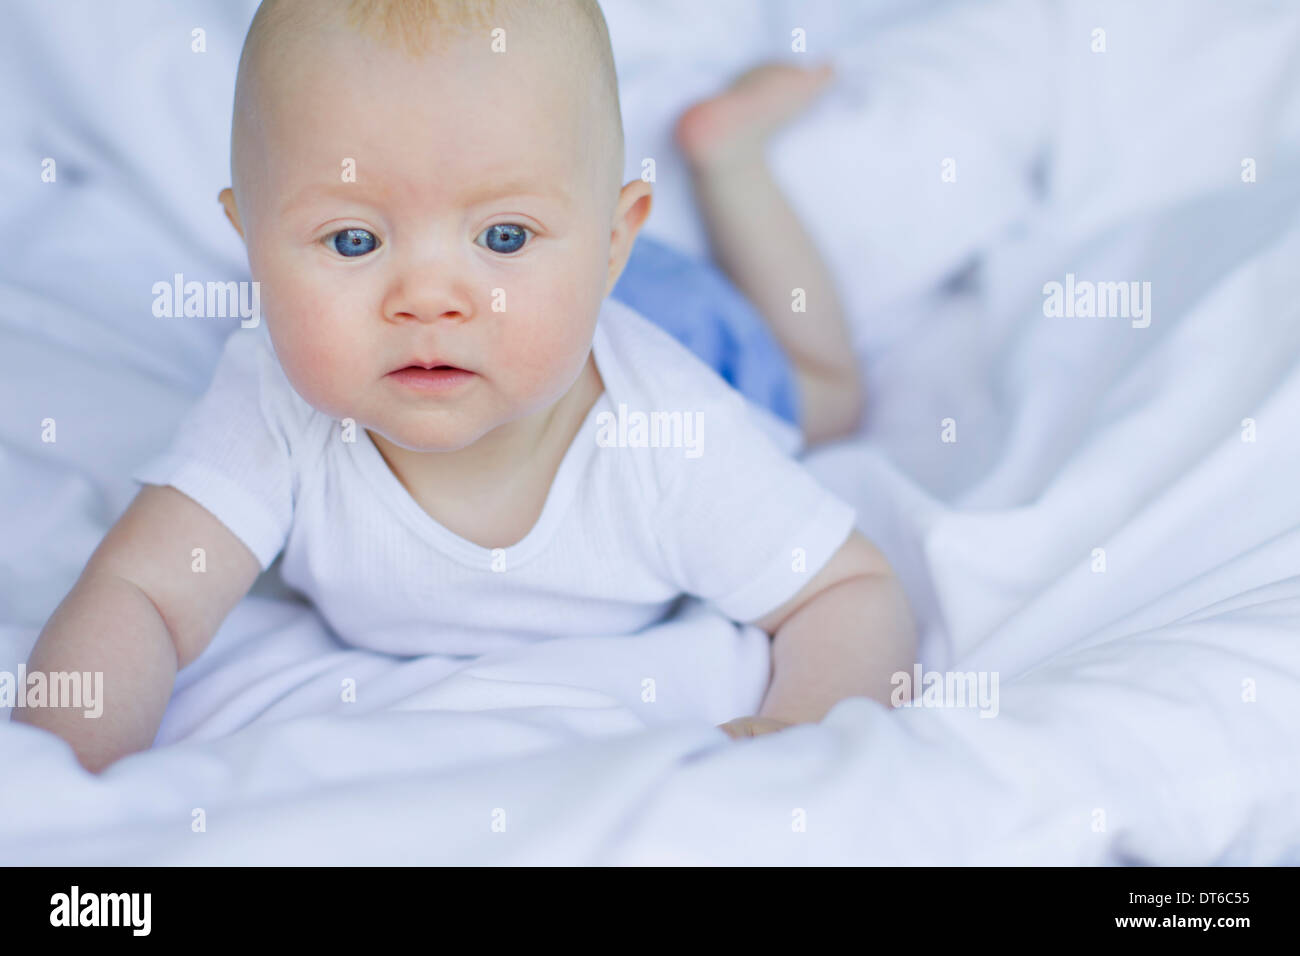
point(408, 23)
point(417, 26)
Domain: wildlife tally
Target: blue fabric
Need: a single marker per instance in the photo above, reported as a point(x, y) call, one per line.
point(698, 306)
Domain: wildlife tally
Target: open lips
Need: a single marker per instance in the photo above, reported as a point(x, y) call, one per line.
point(432, 378)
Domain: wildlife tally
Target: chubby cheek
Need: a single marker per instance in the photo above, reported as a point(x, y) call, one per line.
point(317, 349)
point(315, 367)
point(547, 347)
point(538, 359)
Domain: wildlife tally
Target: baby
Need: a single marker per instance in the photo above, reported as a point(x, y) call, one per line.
point(442, 422)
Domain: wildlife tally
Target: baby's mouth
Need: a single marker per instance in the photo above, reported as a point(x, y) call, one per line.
point(432, 378)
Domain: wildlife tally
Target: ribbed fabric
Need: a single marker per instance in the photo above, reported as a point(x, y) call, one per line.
point(624, 530)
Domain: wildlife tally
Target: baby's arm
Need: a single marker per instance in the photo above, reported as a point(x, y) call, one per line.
point(845, 634)
point(138, 613)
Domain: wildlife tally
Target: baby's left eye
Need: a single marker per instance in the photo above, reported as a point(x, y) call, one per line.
point(506, 237)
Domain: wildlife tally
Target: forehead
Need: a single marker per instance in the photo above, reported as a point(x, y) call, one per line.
point(457, 121)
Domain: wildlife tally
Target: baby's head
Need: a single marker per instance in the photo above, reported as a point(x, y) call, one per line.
point(424, 182)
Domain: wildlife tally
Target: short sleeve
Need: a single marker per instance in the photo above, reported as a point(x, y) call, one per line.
point(742, 524)
point(231, 451)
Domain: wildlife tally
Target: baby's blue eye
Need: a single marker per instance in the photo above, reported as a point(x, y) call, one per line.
point(505, 238)
point(354, 242)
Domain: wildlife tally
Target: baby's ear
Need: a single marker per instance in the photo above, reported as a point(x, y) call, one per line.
point(227, 198)
point(633, 207)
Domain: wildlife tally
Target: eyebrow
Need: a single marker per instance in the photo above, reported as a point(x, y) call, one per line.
point(493, 191)
point(518, 187)
point(314, 190)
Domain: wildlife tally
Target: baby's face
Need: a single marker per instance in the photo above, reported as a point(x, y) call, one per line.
point(472, 234)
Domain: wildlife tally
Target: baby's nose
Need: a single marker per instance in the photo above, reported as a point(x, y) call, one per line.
point(427, 292)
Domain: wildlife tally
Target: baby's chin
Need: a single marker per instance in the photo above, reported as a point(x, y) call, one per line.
point(434, 432)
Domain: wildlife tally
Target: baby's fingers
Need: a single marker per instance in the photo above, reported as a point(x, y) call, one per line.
point(753, 726)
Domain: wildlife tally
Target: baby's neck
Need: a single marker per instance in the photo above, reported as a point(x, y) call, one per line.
point(494, 489)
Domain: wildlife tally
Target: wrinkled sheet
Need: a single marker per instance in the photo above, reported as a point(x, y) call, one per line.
point(1147, 713)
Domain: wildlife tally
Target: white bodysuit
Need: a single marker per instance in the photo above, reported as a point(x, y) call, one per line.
point(719, 510)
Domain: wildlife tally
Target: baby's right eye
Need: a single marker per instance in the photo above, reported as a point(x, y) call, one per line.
point(353, 242)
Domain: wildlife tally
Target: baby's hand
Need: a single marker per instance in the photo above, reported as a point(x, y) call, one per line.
point(753, 726)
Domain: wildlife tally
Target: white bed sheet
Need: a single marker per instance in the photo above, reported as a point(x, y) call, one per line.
point(1122, 732)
